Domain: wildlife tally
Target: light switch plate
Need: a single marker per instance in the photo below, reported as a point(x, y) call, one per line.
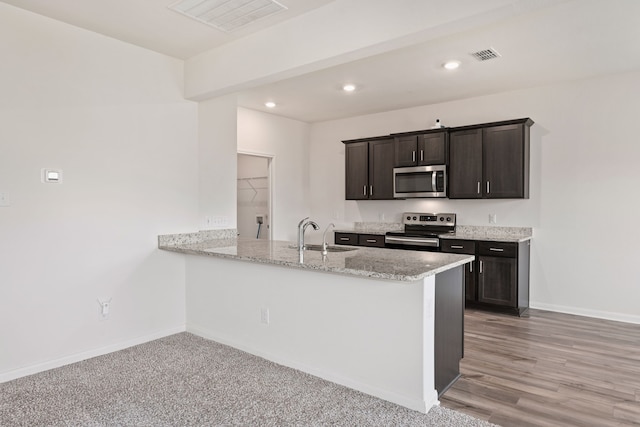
point(4, 200)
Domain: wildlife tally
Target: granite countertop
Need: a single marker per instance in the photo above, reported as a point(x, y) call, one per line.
point(463, 232)
point(380, 228)
point(389, 264)
point(493, 234)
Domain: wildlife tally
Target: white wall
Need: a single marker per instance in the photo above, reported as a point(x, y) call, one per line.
point(287, 141)
point(217, 165)
point(112, 116)
point(584, 185)
point(329, 325)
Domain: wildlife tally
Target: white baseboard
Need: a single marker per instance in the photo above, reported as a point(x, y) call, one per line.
point(607, 315)
point(417, 405)
point(73, 358)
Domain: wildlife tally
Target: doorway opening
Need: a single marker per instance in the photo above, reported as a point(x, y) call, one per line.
point(254, 196)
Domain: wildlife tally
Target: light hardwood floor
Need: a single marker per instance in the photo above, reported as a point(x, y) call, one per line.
point(548, 369)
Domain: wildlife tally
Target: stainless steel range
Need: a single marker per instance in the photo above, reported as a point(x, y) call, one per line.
point(421, 231)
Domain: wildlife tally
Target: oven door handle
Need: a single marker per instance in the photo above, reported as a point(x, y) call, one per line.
point(391, 239)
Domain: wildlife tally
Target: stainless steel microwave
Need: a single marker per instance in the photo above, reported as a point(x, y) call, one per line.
point(420, 181)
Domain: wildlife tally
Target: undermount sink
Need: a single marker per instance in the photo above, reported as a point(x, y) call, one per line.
point(329, 248)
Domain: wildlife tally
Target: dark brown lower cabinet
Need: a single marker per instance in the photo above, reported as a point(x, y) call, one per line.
point(466, 247)
point(358, 239)
point(498, 279)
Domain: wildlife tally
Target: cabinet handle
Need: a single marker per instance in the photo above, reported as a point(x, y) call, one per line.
point(457, 247)
point(344, 239)
point(371, 190)
point(364, 190)
point(471, 267)
point(480, 267)
point(413, 156)
point(421, 155)
point(488, 187)
point(496, 249)
point(372, 241)
point(478, 187)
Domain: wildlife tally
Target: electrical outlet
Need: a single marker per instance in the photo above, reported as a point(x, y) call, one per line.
point(493, 219)
point(264, 316)
point(220, 221)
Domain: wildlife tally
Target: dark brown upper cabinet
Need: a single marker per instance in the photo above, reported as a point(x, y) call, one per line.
point(422, 149)
point(369, 169)
point(490, 161)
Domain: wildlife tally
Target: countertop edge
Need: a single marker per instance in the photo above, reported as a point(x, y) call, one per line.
point(408, 278)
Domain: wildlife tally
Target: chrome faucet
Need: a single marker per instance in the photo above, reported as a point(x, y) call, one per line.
point(302, 226)
point(324, 238)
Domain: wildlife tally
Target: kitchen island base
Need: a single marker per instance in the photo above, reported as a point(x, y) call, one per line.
point(375, 336)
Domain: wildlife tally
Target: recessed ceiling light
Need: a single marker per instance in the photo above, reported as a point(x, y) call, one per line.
point(270, 104)
point(349, 88)
point(451, 65)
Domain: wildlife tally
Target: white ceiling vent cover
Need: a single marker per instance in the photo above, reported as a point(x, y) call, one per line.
point(486, 54)
point(227, 15)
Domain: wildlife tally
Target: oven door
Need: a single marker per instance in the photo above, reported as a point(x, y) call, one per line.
point(413, 243)
point(420, 181)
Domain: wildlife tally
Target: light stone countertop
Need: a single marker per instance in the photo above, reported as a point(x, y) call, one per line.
point(493, 234)
point(378, 263)
point(463, 232)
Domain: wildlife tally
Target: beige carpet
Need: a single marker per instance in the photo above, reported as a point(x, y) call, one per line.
point(185, 380)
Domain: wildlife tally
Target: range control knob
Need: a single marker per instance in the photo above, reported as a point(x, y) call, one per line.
point(415, 217)
point(408, 218)
point(441, 218)
point(448, 219)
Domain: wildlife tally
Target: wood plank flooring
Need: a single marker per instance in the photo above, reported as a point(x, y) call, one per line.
point(548, 369)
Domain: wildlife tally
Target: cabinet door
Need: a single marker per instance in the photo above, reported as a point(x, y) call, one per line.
point(406, 150)
point(357, 171)
point(464, 247)
point(465, 164)
point(504, 157)
point(432, 149)
point(470, 288)
point(381, 169)
point(497, 281)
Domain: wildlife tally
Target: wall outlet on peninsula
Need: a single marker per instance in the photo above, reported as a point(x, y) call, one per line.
point(493, 219)
point(4, 199)
point(264, 315)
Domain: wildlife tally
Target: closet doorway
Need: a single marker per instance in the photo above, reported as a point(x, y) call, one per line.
point(254, 196)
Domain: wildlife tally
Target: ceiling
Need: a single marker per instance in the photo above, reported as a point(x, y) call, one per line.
point(151, 24)
point(562, 41)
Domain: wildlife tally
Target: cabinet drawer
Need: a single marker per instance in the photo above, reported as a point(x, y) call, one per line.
point(458, 246)
point(346, 239)
point(498, 249)
point(375, 240)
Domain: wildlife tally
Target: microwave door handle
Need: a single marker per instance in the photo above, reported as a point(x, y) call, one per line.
point(434, 181)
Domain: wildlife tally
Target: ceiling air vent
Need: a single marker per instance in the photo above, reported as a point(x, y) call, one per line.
point(227, 15)
point(486, 54)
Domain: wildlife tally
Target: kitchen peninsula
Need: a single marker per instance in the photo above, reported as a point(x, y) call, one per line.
point(388, 323)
